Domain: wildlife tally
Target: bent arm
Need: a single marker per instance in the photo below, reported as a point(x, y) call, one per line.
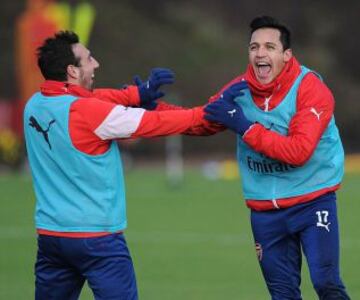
point(315, 109)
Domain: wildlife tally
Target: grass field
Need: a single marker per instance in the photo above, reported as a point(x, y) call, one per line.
point(190, 243)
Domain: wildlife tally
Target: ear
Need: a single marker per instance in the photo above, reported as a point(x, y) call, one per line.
point(73, 71)
point(287, 55)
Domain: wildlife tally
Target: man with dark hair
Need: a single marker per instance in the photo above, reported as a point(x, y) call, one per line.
point(55, 68)
point(71, 132)
point(269, 22)
point(291, 161)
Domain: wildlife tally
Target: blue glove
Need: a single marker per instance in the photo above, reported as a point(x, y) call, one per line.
point(227, 112)
point(148, 90)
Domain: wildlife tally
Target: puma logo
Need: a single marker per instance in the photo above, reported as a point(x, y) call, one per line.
point(326, 226)
point(231, 112)
point(34, 123)
point(313, 110)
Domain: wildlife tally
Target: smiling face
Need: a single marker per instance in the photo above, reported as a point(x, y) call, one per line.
point(267, 55)
point(83, 74)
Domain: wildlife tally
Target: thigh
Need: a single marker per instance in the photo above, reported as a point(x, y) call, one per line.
point(55, 279)
point(279, 254)
point(320, 242)
point(111, 273)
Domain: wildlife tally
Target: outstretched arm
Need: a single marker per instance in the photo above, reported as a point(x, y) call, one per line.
point(128, 96)
point(209, 127)
point(202, 128)
point(109, 121)
point(143, 94)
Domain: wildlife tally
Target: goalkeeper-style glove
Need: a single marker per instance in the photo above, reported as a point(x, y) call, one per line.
point(149, 90)
point(227, 112)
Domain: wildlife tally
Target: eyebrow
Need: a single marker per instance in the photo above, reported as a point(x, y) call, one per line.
point(267, 43)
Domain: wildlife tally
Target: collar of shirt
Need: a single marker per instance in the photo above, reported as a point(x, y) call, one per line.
point(57, 88)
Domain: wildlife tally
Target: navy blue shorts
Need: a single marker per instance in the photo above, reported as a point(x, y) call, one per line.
point(280, 235)
point(64, 264)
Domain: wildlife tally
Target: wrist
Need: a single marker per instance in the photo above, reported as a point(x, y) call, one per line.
point(143, 94)
point(134, 95)
point(146, 100)
point(243, 126)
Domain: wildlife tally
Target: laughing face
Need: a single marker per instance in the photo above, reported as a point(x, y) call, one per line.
point(267, 55)
point(83, 75)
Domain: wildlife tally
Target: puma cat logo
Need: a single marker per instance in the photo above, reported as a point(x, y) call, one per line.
point(313, 110)
point(34, 123)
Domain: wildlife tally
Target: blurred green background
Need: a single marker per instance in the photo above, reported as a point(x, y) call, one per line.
point(192, 242)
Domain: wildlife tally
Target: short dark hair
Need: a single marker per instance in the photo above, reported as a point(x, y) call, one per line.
point(270, 22)
point(56, 54)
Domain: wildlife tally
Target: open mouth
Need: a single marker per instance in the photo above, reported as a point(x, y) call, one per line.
point(263, 69)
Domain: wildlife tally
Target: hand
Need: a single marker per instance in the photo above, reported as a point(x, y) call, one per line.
point(148, 90)
point(235, 90)
point(227, 112)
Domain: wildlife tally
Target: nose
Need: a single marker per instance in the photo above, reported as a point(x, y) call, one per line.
point(96, 64)
point(261, 52)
